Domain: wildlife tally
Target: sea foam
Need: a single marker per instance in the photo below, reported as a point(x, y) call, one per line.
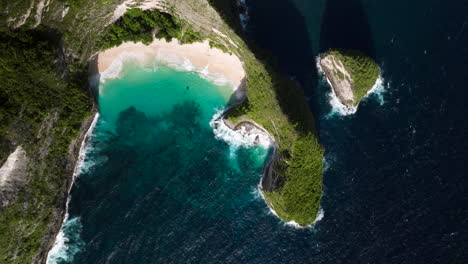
point(294, 224)
point(60, 250)
point(116, 68)
point(240, 137)
point(161, 58)
point(338, 108)
point(183, 64)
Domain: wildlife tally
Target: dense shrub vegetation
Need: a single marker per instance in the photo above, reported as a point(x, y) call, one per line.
point(278, 104)
point(364, 70)
point(140, 25)
point(32, 91)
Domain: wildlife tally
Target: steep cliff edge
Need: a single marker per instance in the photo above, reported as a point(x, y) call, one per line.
point(351, 74)
point(29, 225)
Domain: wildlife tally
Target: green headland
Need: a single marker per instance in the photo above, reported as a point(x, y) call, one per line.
point(46, 105)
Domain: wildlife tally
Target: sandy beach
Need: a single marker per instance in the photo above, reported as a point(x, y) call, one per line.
point(211, 63)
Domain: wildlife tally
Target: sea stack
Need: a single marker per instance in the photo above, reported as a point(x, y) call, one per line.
point(350, 73)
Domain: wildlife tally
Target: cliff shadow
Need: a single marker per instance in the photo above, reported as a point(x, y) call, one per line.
point(280, 28)
point(94, 78)
point(345, 26)
point(278, 37)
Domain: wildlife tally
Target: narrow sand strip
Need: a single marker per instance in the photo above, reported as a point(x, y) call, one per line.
point(210, 63)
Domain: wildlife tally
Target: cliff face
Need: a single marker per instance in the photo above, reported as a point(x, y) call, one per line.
point(50, 145)
point(340, 79)
point(351, 73)
point(83, 22)
point(38, 157)
point(12, 176)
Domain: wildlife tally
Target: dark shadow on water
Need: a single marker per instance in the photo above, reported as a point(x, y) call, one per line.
point(345, 26)
point(280, 28)
point(277, 35)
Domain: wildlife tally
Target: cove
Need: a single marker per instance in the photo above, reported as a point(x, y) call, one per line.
point(156, 185)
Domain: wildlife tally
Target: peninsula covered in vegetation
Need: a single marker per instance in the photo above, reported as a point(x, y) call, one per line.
point(351, 74)
point(47, 106)
point(292, 181)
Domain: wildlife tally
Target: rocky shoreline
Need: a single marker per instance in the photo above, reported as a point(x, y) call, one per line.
point(269, 179)
point(59, 215)
point(342, 87)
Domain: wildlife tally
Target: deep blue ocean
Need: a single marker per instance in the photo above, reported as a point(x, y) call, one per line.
point(159, 187)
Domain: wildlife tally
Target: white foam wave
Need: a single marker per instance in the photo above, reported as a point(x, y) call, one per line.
point(60, 250)
point(168, 59)
point(378, 90)
point(320, 215)
point(183, 64)
point(294, 224)
point(337, 107)
point(115, 69)
point(240, 137)
point(84, 149)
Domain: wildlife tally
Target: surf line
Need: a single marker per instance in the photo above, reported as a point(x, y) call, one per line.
point(61, 239)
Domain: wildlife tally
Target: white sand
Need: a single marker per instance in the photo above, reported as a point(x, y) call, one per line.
point(212, 64)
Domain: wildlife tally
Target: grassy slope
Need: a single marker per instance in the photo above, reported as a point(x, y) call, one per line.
point(278, 104)
point(33, 91)
point(364, 70)
point(34, 86)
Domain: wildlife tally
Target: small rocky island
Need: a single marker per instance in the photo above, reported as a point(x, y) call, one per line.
point(351, 74)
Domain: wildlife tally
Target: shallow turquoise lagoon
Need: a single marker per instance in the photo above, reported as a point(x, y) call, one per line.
point(156, 185)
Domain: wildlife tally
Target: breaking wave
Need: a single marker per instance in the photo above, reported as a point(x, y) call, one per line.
point(71, 229)
point(67, 243)
point(173, 61)
point(241, 137)
point(337, 108)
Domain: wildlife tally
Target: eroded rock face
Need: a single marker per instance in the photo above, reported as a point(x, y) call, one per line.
point(340, 79)
point(12, 176)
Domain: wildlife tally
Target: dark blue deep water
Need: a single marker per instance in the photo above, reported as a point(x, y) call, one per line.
point(395, 183)
point(396, 186)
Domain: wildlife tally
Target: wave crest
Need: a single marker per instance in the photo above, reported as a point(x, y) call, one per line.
point(241, 137)
point(168, 59)
point(71, 229)
point(338, 108)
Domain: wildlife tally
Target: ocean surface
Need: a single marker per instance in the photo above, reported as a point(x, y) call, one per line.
point(159, 185)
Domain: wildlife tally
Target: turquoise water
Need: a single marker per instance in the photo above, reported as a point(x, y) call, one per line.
point(156, 184)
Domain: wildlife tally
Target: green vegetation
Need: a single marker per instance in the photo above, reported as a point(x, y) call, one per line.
point(34, 91)
point(340, 75)
point(218, 46)
point(299, 197)
point(278, 104)
point(229, 11)
point(137, 25)
point(363, 70)
point(39, 86)
point(274, 101)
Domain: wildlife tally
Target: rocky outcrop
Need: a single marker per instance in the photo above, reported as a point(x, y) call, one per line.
point(58, 215)
point(339, 78)
point(12, 176)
